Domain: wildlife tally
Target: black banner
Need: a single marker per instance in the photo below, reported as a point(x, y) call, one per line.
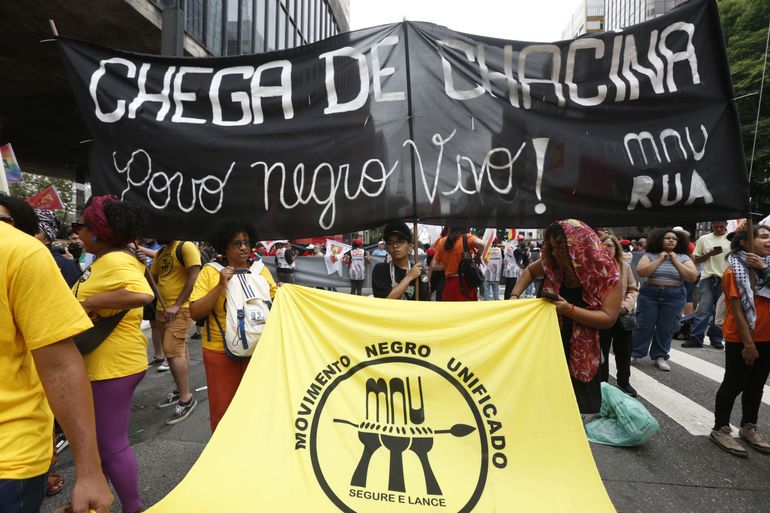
point(413, 120)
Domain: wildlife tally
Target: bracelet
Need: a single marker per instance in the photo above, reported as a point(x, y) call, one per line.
point(571, 310)
point(515, 295)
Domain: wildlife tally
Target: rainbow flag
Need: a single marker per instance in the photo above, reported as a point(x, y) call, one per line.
point(11, 165)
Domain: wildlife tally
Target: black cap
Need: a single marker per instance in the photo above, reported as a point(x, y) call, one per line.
point(399, 228)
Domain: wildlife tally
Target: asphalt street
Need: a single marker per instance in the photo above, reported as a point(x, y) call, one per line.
point(676, 471)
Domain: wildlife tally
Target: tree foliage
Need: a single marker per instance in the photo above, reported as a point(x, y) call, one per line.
point(745, 25)
point(32, 184)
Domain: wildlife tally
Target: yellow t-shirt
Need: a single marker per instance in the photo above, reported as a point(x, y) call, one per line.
point(207, 281)
point(124, 352)
point(171, 274)
point(36, 310)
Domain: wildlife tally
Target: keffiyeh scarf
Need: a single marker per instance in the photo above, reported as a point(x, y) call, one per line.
point(47, 222)
point(740, 269)
point(597, 271)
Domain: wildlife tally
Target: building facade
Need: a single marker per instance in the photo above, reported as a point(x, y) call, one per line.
point(235, 27)
point(588, 17)
point(37, 114)
point(622, 13)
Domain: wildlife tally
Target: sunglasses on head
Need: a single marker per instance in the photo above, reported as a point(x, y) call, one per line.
point(6, 219)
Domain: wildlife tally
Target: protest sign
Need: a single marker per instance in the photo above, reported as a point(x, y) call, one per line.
point(335, 250)
point(361, 404)
point(414, 120)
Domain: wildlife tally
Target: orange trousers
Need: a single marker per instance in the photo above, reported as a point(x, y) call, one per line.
point(223, 375)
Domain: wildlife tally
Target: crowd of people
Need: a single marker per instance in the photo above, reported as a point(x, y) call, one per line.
point(96, 286)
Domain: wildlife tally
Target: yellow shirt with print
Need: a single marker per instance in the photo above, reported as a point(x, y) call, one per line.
point(124, 352)
point(208, 279)
point(36, 310)
point(171, 274)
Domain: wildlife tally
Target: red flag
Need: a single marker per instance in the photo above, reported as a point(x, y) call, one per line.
point(48, 198)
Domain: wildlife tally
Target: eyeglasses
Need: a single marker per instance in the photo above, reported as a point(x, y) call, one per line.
point(396, 243)
point(240, 243)
point(6, 219)
point(76, 227)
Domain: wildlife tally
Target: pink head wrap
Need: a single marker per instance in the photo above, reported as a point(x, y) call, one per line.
point(96, 219)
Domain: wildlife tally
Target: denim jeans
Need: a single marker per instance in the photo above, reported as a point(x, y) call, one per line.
point(22, 495)
point(658, 313)
point(709, 290)
point(491, 289)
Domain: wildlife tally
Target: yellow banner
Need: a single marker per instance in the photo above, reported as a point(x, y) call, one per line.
point(363, 404)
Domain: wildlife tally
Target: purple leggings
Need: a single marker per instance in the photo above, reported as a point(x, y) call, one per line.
point(112, 405)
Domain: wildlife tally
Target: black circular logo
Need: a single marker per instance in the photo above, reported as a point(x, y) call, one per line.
point(165, 263)
point(399, 434)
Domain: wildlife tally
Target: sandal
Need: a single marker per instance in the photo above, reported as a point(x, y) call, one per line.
point(54, 485)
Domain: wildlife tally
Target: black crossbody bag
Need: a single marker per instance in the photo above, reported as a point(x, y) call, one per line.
point(468, 271)
point(90, 339)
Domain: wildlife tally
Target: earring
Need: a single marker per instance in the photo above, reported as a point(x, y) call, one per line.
point(94, 239)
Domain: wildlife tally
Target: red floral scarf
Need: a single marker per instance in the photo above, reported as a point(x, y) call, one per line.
point(598, 273)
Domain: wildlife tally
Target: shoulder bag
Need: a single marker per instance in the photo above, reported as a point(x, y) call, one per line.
point(468, 271)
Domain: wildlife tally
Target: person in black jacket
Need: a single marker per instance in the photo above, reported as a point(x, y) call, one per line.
point(397, 279)
point(48, 228)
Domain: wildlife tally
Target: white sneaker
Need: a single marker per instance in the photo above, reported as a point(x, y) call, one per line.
point(662, 364)
point(163, 366)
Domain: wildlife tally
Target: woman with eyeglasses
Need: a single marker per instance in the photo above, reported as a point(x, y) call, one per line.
point(665, 267)
point(232, 239)
point(114, 285)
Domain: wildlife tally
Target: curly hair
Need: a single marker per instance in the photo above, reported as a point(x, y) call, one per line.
point(24, 217)
point(655, 241)
point(225, 230)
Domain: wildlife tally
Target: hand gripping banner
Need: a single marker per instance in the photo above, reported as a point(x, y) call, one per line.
point(414, 120)
point(363, 404)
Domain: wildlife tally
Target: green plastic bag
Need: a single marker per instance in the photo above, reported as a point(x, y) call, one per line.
point(623, 421)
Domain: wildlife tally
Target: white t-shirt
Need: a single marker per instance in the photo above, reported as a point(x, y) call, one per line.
point(510, 267)
point(357, 264)
point(494, 266)
point(717, 264)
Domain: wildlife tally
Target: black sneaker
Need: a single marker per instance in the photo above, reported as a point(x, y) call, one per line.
point(717, 345)
point(691, 343)
point(195, 336)
point(183, 410)
point(628, 389)
point(171, 399)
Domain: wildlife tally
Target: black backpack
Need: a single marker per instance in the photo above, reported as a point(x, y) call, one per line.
point(179, 256)
point(468, 271)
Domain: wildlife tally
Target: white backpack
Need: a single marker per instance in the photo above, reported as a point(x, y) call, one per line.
point(247, 305)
